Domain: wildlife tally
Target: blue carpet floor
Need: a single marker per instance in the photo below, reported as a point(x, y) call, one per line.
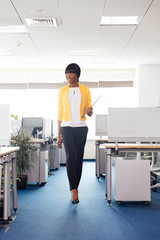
point(46, 213)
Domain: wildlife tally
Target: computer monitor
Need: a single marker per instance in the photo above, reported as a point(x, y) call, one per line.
point(32, 122)
point(36, 123)
point(26, 131)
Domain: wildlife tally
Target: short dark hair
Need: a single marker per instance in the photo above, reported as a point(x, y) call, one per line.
point(73, 68)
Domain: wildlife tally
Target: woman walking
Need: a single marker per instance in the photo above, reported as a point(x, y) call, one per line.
point(74, 102)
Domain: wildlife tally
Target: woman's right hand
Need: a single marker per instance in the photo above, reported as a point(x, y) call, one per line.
point(59, 142)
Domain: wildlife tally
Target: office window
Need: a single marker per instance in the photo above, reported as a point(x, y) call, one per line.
point(44, 102)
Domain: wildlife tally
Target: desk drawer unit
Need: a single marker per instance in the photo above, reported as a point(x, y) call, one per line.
point(132, 180)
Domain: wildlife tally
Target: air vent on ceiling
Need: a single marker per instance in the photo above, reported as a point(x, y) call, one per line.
point(51, 22)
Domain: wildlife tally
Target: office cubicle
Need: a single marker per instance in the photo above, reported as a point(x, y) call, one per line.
point(137, 127)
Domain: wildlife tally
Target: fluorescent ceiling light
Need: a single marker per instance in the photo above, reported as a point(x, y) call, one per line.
point(5, 53)
point(38, 11)
point(119, 20)
point(13, 29)
point(80, 53)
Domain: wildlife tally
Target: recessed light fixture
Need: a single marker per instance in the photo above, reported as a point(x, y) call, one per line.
point(120, 20)
point(13, 29)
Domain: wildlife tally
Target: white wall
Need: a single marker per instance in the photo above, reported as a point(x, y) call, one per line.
point(26, 76)
point(149, 85)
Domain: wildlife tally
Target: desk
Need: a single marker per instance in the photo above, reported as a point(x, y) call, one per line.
point(8, 155)
point(111, 150)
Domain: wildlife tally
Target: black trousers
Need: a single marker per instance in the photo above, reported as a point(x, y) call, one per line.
point(74, 139)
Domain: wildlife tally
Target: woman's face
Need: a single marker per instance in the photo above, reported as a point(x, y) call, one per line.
point(71, 78)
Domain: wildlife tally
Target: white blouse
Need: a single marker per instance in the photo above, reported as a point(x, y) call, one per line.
point(74, 100)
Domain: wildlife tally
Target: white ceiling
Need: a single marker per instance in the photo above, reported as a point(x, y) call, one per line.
point(79, 33)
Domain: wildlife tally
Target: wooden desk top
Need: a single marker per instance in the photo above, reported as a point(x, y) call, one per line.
point(132, 145)
point(102, 140)
point(36, 140)
point(7, 150)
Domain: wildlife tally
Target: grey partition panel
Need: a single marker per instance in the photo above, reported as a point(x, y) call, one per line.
point(5, 125)
point(101, 122)
point(47, 128)
point(134, 124)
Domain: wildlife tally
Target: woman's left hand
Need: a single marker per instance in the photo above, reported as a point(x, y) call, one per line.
point(89, 111)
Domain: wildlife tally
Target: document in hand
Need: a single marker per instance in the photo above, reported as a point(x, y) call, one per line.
point(92, 105)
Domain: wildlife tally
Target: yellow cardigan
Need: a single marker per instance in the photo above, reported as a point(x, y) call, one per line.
point(63, 105)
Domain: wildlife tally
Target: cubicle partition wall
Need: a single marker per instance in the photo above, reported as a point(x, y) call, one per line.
point(5, 124)
point(134, 124)
point(101, 125)
point(47, 128)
